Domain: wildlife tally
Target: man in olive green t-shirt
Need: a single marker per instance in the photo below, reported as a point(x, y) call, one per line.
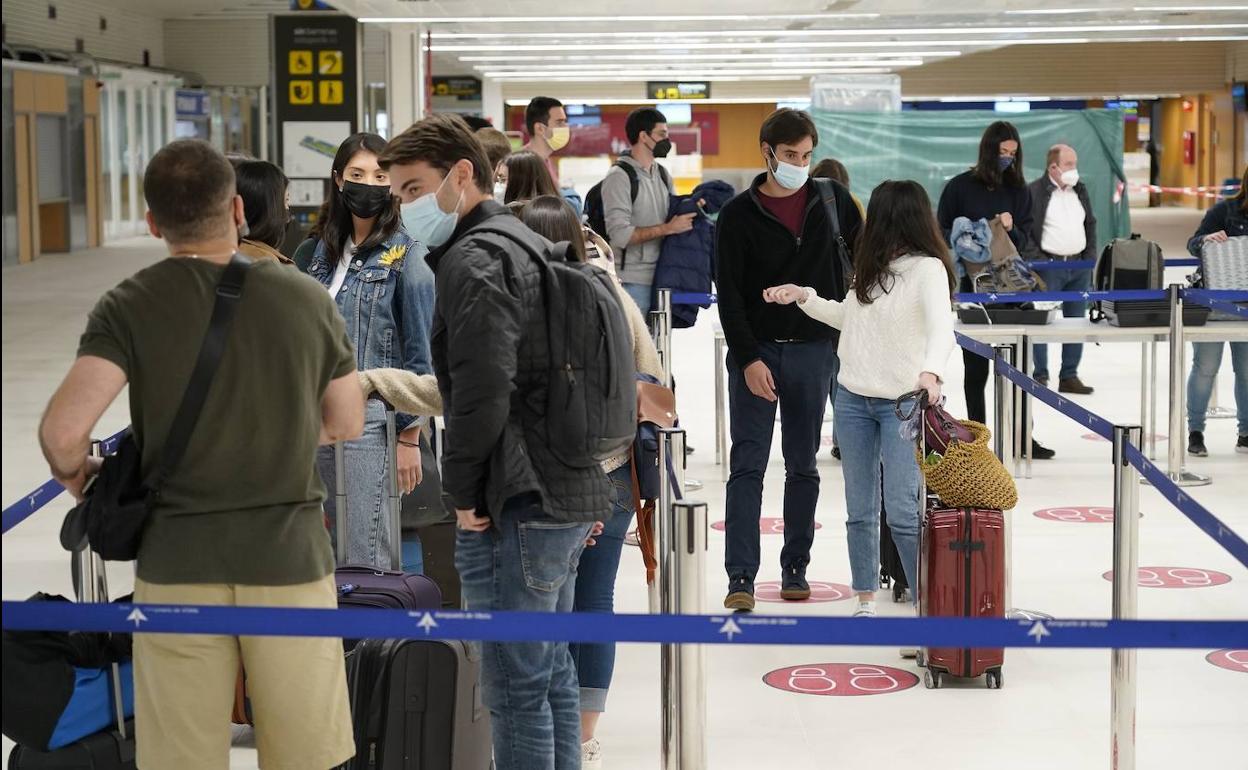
point(239, 521)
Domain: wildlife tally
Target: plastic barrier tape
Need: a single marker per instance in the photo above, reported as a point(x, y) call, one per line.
point(597, 627)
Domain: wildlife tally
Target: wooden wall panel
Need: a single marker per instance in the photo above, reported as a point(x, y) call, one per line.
point(51, 93)
point(27, 236)
point(23, 91)
point(90, 97)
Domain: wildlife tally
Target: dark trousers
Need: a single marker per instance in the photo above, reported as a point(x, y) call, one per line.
point(802, 371)
point(975, 381)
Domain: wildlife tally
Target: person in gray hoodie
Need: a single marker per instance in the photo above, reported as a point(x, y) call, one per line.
point(636, 214)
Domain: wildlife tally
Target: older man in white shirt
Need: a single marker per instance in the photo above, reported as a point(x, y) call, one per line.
point(1065, 229)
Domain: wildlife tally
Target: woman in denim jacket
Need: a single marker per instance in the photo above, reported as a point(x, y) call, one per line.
point(384, 290)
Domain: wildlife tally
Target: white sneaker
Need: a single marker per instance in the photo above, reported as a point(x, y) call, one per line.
point(591, 755)
point(865, 610)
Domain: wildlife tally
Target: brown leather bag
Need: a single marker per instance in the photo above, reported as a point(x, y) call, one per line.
point(656, 404)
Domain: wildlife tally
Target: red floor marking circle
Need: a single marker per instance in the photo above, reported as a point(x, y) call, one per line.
point(1078, 514)
point(841, 679)
point(766, 526)
point(820, 591)
point(1231, 660)
point(1178, 577)
point(1098, 437)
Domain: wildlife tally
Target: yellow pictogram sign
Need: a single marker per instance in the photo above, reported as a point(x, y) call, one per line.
point(300, 63)
point(329, 62)
point(302, 91)
point(331, 92)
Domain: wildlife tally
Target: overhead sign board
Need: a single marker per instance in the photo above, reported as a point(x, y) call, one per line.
point(315, 83)
point(661, 90)
point(465, 88)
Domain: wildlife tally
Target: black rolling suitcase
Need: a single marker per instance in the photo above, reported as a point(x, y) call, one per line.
point(416, 705)
point(892, 574)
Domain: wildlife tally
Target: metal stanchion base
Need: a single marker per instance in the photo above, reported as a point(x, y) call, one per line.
point(692, 485)
point(1186, 478)
point(1219, 413)
point(1019, 614)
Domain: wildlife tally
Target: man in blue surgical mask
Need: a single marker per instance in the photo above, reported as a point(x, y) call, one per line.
point(778, 231)
point(523, 516)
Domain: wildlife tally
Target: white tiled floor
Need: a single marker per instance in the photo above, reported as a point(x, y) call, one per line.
point(1054, 709)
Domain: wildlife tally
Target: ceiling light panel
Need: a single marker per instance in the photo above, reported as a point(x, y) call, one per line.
point(829, 55)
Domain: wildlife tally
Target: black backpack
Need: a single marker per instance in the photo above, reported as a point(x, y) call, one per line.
point(591, 403)
point(596, 213)
point(827, 192)
point(1126, 264)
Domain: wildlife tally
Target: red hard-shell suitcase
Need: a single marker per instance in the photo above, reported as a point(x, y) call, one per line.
point(962, 565)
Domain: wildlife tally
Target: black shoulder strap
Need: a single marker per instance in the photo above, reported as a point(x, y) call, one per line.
point(633, 184)
point(229, 292)
point(827, 192)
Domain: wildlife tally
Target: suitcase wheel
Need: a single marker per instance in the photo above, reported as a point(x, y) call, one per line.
point(933, 680)
point(885, 580)
point(920, 659)
point(994, 679)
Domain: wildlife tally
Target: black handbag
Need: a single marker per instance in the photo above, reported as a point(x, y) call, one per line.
point(119, 501)
point(425, 506)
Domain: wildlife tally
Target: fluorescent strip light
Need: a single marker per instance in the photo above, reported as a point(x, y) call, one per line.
point(661, 66)
point(677, 75)
point(646, 35)
point(1060, 11)
point(610, 19)
point(1188, 8)
point(708, 56)
point(764, 46)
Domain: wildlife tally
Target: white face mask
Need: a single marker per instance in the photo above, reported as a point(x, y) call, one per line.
point(787, 175)
point(1070, 177)
point(500, 191)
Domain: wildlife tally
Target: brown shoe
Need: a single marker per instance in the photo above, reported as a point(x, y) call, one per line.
point(1074, 385)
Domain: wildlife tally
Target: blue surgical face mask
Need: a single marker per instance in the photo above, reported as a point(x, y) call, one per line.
point(1004, 162)
point(426, 222)
point(787, 175)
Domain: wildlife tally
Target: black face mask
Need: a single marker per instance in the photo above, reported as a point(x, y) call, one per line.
point(365, 200)
point(662, 148)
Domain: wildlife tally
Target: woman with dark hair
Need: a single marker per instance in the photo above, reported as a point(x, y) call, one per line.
point(1227, 219)
point(896, 336)
point(555, 219)
point(305, 250)
point(266, 203)
point(384, 289)
point(993, 187)
point(527, 177)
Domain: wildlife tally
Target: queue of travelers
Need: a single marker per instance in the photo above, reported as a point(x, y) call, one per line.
point(421, 267)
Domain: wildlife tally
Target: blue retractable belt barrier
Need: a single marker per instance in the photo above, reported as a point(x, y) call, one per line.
point(990, 298)
point(47, 492)
point(1088, 264)
point(1219, 300)
point(693, 298)
point(598, 627)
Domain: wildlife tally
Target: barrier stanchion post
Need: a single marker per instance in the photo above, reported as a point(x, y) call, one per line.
point(1027, 410)
point(661, 320)
point(1125, 587)
point(721, 427)
point(340, 501)
point(1178, 397)
point(1152, 399)
point(1003, 409)
point(89, 573)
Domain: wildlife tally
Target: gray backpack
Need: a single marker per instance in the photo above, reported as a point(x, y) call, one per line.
point(1127, 264)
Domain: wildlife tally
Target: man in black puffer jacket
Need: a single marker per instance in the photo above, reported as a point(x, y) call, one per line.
point(523, 516)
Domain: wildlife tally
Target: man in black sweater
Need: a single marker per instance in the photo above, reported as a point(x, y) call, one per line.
point(777, 232)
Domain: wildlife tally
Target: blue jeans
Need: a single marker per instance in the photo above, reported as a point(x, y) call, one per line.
point(1064, 280)
point(801, 371)
point(870, 434)
point(643, 295)
point(832, 387)
point(368, 497)
point(1206, 360)
point(527, 562)
point(595, 592)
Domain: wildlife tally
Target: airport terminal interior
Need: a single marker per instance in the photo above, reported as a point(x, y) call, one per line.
point(1152, 97)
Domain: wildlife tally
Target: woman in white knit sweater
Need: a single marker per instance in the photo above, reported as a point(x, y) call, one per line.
point(552, 217)
point(896, 336)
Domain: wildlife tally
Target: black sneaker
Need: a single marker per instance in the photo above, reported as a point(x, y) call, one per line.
point(836, 452)
point(1241, 446)
point(1043, 379)
point(740, 594)
point(1039, 452)
point(1196, 444)
point(793, 585)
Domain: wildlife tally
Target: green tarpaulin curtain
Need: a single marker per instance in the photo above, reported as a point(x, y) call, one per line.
point(931, 146)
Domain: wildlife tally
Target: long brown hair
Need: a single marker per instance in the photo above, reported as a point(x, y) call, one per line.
point(338, 224)
point(553, 218)
point(899, 222)
point(527, 177)
point(1242, 195)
